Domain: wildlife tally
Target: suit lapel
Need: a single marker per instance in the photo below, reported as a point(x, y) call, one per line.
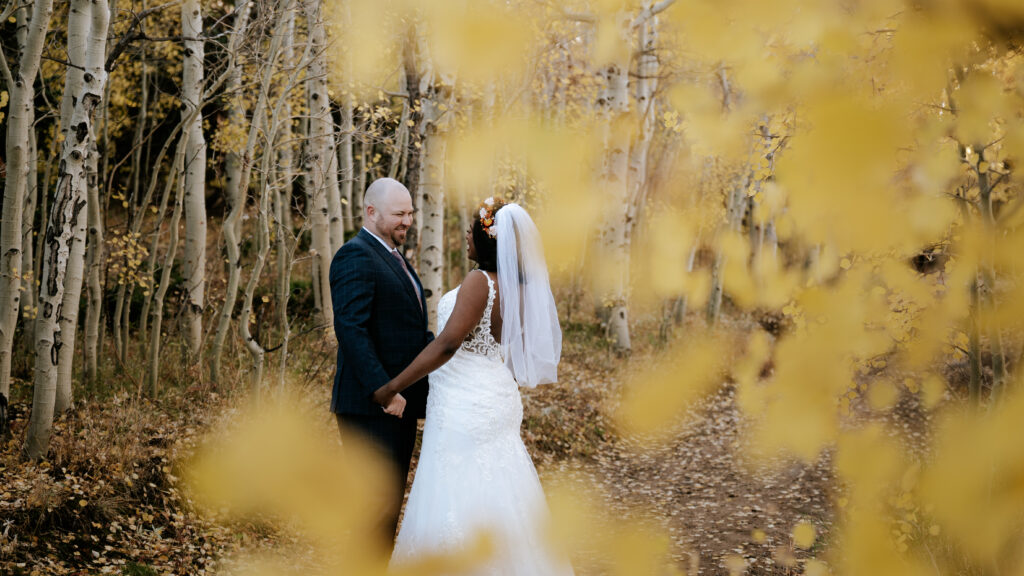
point(395, 267)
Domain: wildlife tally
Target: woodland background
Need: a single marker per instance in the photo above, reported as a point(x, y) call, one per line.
point(785, 239)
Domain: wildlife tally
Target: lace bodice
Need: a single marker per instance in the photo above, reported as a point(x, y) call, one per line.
point(480, 341)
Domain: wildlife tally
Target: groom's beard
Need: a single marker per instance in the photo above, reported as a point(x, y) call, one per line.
point(398, 236)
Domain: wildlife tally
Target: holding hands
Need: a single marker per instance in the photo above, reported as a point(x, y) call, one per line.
point(393, 404)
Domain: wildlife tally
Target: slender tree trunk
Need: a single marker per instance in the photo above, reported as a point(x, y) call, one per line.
point(156, 335)
point(322, 158)
point(148, 280)
point(987, 272)
point(281, 194)
point(263, 248)
point(323, 194)
point(436, 100)
point(614, 105)
point(345, 163)
point(285, 254)
point(413, 50)
point(78, 30)
point(431, 270)
point(237, 166)
point(28, 221)
point(20, 82)
point(231, 223)
point(357, 197)
point(68, 210)
point(194, 268)
point(95, 290)
point(735, 208)
point(267, 191)
point(28, 278)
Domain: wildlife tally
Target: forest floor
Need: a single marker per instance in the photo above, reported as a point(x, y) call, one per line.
point(722, 515)
point(107, 500)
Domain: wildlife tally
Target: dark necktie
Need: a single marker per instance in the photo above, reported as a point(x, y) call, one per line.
point(409, 274)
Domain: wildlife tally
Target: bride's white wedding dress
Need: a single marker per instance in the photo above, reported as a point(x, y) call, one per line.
point(474, 472)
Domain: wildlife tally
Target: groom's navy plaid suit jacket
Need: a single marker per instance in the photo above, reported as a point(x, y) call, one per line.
point(379, 325)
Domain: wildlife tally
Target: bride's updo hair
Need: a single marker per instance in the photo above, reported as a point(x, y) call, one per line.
point(484, 234)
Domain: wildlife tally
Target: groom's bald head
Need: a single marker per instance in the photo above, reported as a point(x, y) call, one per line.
point(388, 210)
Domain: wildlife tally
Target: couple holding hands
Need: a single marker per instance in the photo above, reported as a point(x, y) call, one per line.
point(497, 331)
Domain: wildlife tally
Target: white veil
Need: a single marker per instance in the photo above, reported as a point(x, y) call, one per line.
point(531, 339)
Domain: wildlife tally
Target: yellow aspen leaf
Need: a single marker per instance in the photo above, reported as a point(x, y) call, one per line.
point(804, 535)
point(736, 565)
point(816, 568)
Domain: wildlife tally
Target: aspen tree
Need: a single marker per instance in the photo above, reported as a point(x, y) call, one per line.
point(68, 209)
point(20, 80)
point(194, 266)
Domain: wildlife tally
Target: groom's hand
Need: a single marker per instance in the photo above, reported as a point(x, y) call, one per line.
point(397, 406)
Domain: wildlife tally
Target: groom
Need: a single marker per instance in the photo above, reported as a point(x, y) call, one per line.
point(381, 324)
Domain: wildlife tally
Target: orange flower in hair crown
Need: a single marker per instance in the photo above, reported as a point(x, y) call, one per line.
point(488, 208)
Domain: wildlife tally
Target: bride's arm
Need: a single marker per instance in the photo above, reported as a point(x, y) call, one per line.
point(469, 308)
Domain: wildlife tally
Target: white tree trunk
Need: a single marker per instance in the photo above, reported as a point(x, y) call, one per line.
point(28, 280)
point(323, 193)
point(321, 158)
point(20, 81)
point(645, 86)
point(431, 270)
point(95, 289)
point(357, 198)
point(78, 30)
point(736, 206)
point(195, 176)
point(68, 209)
point(436, 99)
point(346, 164)
point(613, 104)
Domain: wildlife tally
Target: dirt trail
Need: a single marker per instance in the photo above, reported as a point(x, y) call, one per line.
point(714, 509)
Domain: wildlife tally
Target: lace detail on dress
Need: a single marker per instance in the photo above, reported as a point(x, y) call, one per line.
point(480, 341)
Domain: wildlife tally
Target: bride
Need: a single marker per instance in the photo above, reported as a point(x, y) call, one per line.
point(474, 473)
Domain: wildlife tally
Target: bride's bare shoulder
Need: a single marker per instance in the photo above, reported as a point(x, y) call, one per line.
point(474, 287)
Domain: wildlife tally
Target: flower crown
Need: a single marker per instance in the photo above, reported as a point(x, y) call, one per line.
point(488, 208)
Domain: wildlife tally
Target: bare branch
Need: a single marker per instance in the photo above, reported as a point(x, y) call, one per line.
point(8, 79)
point(64, 62)
point(650, 12)
point(134, 33)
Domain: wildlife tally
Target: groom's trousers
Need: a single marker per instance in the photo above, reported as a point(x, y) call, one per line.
point(396, 438)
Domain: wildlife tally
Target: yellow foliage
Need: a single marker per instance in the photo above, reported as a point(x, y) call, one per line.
point(804, 535)
point(975, 485)
point(580, 522)
point(659, 395)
